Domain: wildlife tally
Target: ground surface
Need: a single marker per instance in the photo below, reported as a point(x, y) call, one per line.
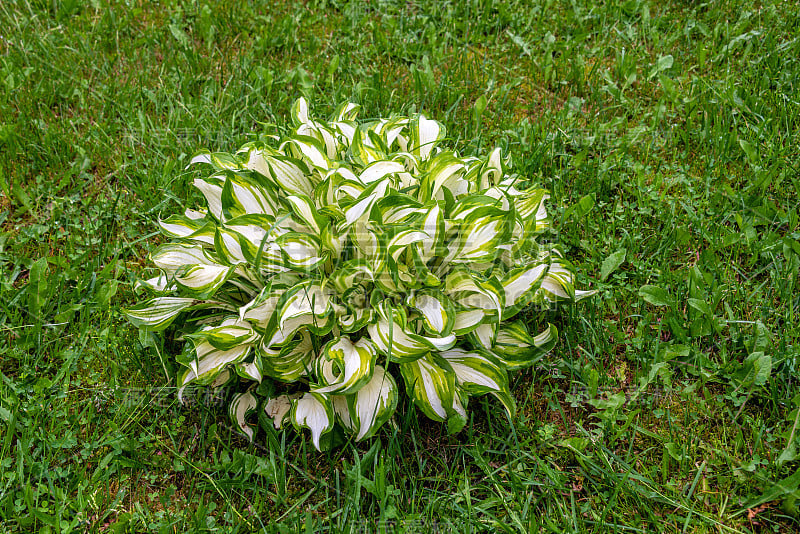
point(670, 129)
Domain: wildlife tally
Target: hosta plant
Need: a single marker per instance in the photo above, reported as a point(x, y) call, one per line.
point(342, 264)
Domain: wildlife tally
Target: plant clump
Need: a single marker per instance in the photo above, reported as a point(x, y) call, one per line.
point(337, 263)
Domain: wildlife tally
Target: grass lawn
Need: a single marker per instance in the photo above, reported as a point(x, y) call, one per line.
point(668, 133)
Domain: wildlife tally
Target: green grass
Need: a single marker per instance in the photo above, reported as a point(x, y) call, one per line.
point(668, 134)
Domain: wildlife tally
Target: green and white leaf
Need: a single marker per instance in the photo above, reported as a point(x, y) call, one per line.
point(158, 313)
point(365, 411)
point(470, 291)
point(260, 310)
point(431, 385)
point(304, 209)
point(310, 149)
point(212, 190)
point(557, 284)
point(483, 336)
point(318, 326)
point(241, 195)
point(445, 171)
point(479, 372)
point(313, 411)
point(202, 280)
point(218, 160)
point(226, 336)
point(379, 170)
point(228, 246)
point(187, 375)
point(290, 362)
point(356, 320)
point(158, 284)
point(519, 286)
point(304, 299)
point(181, 226)
point(174, 256)
point(393, 338)
point(250, 371)
point(241, 405)
point(344, 367)
point(480, 236)
point(433, 226)
point(437, 309)
point(467, 320)
point(517, 349)
point(458, 414)
point(425, 135)
point(281, 170)
point(207, 361)
point(301, 252)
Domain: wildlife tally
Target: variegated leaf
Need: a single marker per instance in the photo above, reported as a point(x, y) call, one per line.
point(483, 335)
point(472, 291)
point(392, 337)
point(360, 210)
point(228, 245)
point(174, 256)
point(350, 274)
point(225, 336)
point(314, 412)
point(398, 208)
point(218, 160)
point(250, 370)
point(206, 361)
point(260, 310)
point(290, 362)
point(425, 135)
point(479, 372)
point(202, 280)
point(355, 320)
point(365, 411)
point(445, 172)
point(280, 335)
point(240, 406)
point(458, 412)
point(558, 284)
point(379, 171)
point(306, 298)
point(158, 313)
point(433, 226)
point(299, 111)
point(284, 172)
point(517, 349)
point(184, 227)
point(158, 284)
point(212, 190)
point(305, 211)
point(431, 385)
point(242, 195)
point(479, 236)
point(467, 320)
point(344, 367)
point(301, 251)
point(346, 111)
point(520, 287)
point(309, 149)
point(437, 309)
point(491, 171)
point(186, 376)
point(402, 240)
